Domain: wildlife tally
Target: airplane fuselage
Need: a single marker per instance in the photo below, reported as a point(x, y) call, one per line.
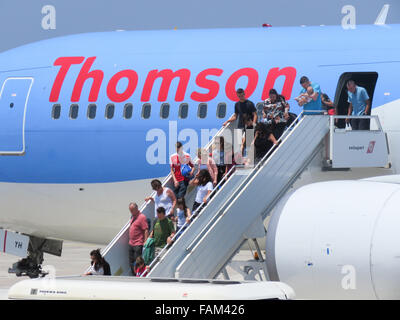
point(71, 175)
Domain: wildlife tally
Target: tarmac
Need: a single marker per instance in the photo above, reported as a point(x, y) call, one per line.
point(74, 261)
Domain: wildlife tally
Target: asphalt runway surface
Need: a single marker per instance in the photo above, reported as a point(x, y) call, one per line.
point(74, 261)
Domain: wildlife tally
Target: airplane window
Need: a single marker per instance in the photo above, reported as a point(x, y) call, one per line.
point(128, 110)
point(146, 111)
point(91, 113)
point(202, 111)
point(55, 114)
point(73, 111)
point(183, 110)
point(110, 109)
point(221, 110)
point(164, 111)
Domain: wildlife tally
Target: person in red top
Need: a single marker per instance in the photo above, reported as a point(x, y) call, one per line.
point(138, 234)
point(177, 160)
point(140, 268)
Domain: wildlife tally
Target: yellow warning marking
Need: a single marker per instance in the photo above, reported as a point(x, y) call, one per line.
point(119, 272)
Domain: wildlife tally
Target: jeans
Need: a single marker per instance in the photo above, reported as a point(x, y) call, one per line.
point(134, 252)
point(180, 191)
point(360, 124)
point(179, 231)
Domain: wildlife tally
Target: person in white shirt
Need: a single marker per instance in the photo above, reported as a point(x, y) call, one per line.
point(99, 266)
point(182, 216)
point(164, 197)
point(204, 187)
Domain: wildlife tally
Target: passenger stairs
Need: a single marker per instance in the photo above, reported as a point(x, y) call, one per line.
point(238, 207)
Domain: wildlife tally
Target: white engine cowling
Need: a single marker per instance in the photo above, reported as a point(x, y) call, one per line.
point(337, 240)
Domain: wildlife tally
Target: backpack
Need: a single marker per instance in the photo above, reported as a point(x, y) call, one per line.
point(148, 251)
point(185, 170)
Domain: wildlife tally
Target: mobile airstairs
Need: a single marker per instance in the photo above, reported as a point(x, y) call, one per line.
point(237, 208)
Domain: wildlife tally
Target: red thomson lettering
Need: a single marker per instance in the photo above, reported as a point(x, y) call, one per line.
point(273, 74)
point(230, 88)
point(211, 85)
point(65, 63)
point(84, 74)
point(112, 93)
point(167, 76)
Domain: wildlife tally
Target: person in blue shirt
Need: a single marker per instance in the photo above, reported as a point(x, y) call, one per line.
point(360, 105)
point(313, 105)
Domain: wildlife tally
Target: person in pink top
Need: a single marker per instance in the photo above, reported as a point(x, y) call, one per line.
point(205, 161)
point(138, 234)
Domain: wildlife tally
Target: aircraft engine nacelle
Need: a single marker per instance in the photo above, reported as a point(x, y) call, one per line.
point(337, 240)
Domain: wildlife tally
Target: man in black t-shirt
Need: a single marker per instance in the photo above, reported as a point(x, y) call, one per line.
point(242, 107)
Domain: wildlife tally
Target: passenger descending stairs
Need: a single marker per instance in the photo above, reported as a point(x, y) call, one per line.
point(235, 212)
point(241, 205)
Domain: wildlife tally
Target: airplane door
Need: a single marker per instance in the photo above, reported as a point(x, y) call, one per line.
point(14, 96)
